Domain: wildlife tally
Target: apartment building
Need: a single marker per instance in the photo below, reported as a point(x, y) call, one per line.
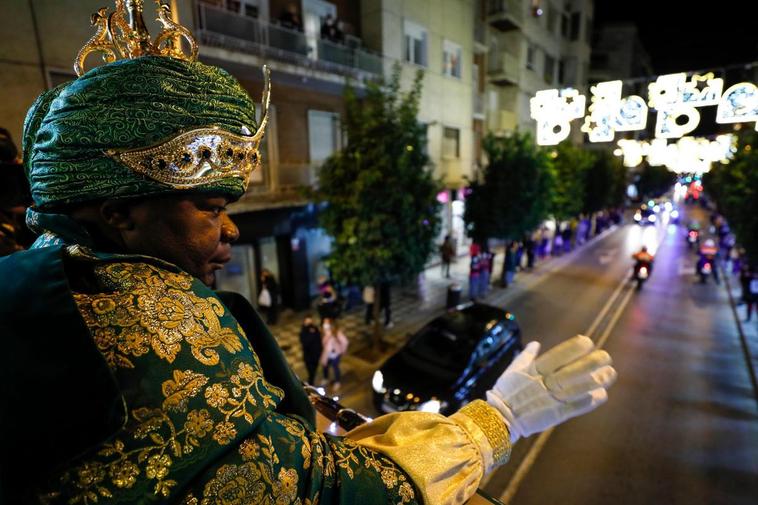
point(532, 45)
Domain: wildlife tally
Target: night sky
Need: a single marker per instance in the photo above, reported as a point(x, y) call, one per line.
point(688, 35)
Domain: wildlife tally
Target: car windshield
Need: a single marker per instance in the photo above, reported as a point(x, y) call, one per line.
point(448, 341)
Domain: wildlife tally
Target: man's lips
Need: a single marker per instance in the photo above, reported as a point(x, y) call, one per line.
point(218, 262)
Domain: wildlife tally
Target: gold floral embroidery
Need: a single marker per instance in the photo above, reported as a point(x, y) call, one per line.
point(154, 308)
point(235, 485)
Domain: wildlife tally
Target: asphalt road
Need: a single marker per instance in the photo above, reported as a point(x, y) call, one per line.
point(681, 425)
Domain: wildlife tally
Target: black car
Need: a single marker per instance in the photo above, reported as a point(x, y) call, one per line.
point(452, 360)
point(645, 215)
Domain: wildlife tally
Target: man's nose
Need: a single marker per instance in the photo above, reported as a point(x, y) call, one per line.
point(229, 231)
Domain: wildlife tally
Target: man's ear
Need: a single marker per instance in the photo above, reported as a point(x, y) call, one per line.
point(117, 214)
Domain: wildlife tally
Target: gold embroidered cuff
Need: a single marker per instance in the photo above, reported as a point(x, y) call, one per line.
point(493, 426)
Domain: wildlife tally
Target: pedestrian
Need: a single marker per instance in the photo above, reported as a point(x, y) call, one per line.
point(749, 283)
point(269, 296)
point(328, 300)
point(334, 345)
point(310, 340)
point(368, 299)
point(447, 252)
point(164, 389)
point(485, 270)
point(529, 249)
point(567, 238)
point(509, 264)
point(474, 271)
point(385, 303)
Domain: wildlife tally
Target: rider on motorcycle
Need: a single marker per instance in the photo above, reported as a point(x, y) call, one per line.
point(708, 252)
point(642, 258)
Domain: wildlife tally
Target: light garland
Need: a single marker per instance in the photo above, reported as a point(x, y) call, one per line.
point(688, 154)
point(675, 99)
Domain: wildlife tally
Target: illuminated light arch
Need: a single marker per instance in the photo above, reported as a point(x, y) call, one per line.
point(553, 110)
point(739, 104)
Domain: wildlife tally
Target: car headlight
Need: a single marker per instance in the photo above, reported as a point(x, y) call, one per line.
point(651, 218)
point(432, 406)
point(674, 213)
point(637, 216)
point(377, 382)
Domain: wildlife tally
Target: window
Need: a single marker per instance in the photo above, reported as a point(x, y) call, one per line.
point(415, 43)
point(451, 59)
point(576, 25)
point(565, 23)
point(549, 74)
point(531, 56)
point(562, 72)
point(588, 31)
point(323, 135)
point(450, 147)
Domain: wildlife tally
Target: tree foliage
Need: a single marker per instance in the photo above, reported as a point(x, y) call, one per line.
point(570, 165)
point(512, 194)
point(734, 187)
point(382, 210)
point(604, 183)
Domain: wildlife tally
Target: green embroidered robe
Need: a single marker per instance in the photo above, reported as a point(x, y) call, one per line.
point(129, 381)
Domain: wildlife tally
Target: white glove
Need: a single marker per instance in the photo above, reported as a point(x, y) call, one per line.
point(534, 394)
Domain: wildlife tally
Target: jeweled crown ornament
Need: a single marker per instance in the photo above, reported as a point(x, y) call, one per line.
point(190, 158)
point(122, 34)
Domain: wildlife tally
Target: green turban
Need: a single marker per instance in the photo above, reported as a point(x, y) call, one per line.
point(125, 105)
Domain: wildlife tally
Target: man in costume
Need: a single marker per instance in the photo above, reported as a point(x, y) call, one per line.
point(128, 380)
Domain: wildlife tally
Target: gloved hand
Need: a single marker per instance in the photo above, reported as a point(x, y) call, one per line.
point(534, 394)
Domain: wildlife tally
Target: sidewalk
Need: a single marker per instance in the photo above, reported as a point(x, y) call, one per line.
point(410, 310)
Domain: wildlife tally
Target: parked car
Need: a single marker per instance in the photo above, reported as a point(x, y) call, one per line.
point(450, 361)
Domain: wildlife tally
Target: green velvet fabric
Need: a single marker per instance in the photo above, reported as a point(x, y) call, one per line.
point(133, 383)
point(125, 105)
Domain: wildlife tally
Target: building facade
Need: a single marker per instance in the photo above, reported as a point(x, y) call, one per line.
point(532, 45)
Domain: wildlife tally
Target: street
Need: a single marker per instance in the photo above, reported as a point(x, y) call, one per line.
point(681, 425)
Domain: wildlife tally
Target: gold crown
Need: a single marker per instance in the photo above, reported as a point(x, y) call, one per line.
point(201, 156)
point(123, 35)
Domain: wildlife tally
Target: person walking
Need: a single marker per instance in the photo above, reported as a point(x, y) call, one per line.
point(447, 252)
point(368, 298)
point(485, 270)
point(529, 246)
point(749, 283)
point(268, 299)
point(385, 303)
point(334, 345)
point(509, 264)
point(310, 340)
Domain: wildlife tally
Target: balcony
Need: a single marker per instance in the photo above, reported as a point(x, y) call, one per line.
point(503, 69)
point(228, 30)
point(505, 15)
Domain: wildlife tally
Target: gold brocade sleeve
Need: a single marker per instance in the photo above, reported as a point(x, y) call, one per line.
point(446, 457)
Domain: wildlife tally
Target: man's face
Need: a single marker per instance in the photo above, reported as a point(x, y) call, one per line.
point(193, 232)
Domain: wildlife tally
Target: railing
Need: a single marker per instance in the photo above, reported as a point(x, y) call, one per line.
point(221, 28)
point(503, 66)
point(505, 14)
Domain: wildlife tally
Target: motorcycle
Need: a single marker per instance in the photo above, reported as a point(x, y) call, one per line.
point(693, 238)
point(641, 273)
point(706, 269)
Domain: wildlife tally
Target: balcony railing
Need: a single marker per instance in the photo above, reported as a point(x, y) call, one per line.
point(505, 15)
point(229, 30)
point(503, 68)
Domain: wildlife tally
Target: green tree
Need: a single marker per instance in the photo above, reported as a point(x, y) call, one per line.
point(570, 164)
point(382, 209)
point(512, 194)
point(734, 187)
point(604, 183)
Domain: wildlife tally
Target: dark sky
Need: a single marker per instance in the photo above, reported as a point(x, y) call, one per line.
point(685, 35)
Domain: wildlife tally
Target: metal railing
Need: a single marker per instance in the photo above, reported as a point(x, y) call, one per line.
point(229, 30)
point(506, 9)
